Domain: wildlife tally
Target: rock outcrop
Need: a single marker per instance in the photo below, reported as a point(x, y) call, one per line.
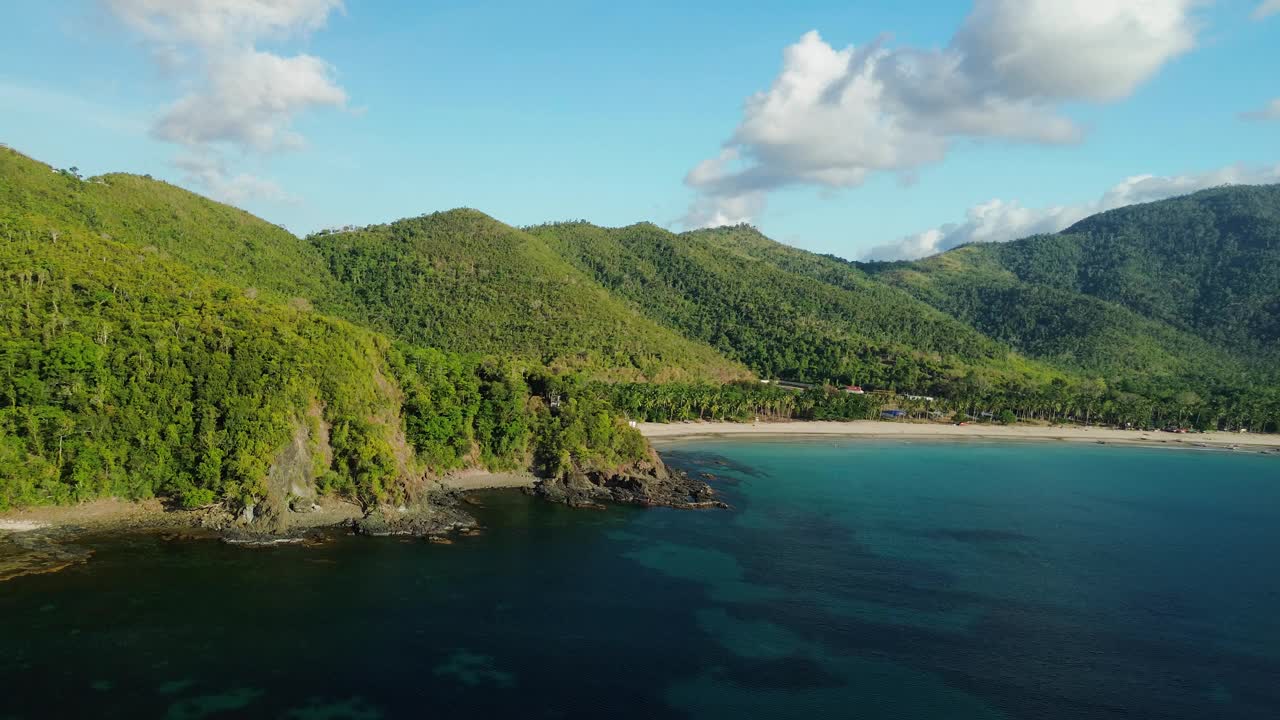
point(440, 514)
point(648, 483)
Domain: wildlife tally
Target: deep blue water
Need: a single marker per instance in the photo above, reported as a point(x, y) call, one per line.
point(852, 579)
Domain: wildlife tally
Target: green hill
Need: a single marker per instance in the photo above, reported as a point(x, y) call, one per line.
point(1066, 328)
point(144, 213)
point(126, 370)
point(1188, 286)
point(464, 282)
point(154, 342)
point(1208, 263)
point(963, 326)
point(1172, 299)
point(782, 311)
point(125, 373)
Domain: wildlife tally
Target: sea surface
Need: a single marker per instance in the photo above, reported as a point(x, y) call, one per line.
point(851, 579)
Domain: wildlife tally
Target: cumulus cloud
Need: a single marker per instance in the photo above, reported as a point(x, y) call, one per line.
point(210, 172)
point(1001, 221)
point(250, 101)
point(237, 97)
point(1266, 9)
point(832, 118)
point(222, 23)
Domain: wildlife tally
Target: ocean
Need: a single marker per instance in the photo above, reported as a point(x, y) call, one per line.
point(851, 579)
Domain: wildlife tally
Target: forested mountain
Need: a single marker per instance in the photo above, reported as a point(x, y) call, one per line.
point(1206, 265)
point(782, 311)
point(157, 217)
point(127, 371)
point(1066, 328)
point(1188, 286)
point(1176, 298)
point(462, 281)
point(154, 342)
point(990, 326)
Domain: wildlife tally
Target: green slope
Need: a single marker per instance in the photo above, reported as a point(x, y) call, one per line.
point(153, 342)
point(202, 234)
point(1188, 287)
point(782, 311)
point(465, 282)
point(1066, 328)
point(125, 371)
point(1208, 263)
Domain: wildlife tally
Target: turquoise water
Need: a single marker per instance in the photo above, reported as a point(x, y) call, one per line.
point(858, 579)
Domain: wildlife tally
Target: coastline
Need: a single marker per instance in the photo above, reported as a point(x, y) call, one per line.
point(40, 539)
point(660, 433)
point(46, 538)
point(113, 514)
point(467, 480)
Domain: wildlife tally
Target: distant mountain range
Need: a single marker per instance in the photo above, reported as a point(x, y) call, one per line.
point(1180, 285)
point(156, 342)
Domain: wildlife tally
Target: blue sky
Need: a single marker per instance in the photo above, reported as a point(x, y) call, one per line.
point(548, 111)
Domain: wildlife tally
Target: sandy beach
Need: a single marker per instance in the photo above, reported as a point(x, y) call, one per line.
point(878, 429)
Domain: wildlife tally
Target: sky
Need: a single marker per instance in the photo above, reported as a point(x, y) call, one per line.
point(869, 130)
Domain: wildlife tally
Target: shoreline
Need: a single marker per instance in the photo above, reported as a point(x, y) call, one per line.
point(113, 514)
point(661, 433)
point(468, 480)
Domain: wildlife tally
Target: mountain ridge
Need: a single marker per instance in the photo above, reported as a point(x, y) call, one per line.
point(155, 342)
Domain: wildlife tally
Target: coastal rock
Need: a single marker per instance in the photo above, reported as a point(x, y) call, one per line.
point(33, 553)
point(649, 483)
point(439, 516)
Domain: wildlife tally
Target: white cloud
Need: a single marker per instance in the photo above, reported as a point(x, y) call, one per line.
point(236, 96)
point(209, 172)
point(1001, 221)
point(1270, 111)
point(832, 118)
point(221, 23)
point(250, 101)
point(1095, 50)
point(1266, 9)
point(719, 212)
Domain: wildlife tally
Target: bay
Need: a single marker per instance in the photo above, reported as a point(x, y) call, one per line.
point(851, 578)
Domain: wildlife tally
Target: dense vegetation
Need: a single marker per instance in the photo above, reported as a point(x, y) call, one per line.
point(1208, 263)
point(742, 401)
point(967, 398)
point(465, 282)
point(1067, 329)
point(781, 311)
point(125, 371)
point(153, 342)
point(459, 411)
point(165, 220)
point(1168, 304)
